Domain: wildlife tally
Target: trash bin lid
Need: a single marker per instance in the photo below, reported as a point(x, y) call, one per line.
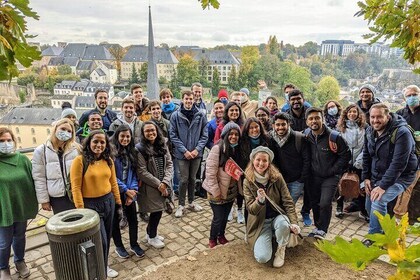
point(72, 222)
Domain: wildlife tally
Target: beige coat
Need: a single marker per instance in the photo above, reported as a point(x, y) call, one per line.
point(249, 108)
point(217, 181)
point(276, 191)
point(150, 198)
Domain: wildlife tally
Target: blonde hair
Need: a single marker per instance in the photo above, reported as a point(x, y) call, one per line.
point(273, 173)
point(69, 143)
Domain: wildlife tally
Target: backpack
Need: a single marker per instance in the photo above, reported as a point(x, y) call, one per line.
point(332, 141)
point(413, 133)
point(68, 182)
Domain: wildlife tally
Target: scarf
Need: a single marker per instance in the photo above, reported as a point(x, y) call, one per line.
point(281, 140)
point(255, 142)
point(261, 179)
point(275, 111)
point(168, 108)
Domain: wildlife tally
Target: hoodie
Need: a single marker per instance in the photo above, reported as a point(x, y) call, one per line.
point(135, 126)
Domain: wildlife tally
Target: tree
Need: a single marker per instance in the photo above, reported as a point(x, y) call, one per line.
point(22, 96)
point(249, 57)
point(203, 66)
point(397, 21)
point(215, 83)
point(134, 77)
point(64, 69)
point(118, 53)
point(85, 75)
point(308, 49)
point(13, 33)
point(233, 79)
point(267, 68)
point(328, 89)
point(187, 71)
point(143, 73)
point(273, 46)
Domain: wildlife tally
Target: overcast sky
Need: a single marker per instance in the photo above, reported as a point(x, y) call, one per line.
point(183, 22)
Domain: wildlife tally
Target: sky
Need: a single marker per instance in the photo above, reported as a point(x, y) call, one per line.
point(184, 22)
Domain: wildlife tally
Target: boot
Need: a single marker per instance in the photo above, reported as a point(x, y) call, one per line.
point(22, 269)
point(279, 257)
point(5, 274)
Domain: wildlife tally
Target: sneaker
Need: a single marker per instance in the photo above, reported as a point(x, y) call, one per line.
point(307, 221)
point(144, 216)
point(279, 256)
point(222, 240)
point(320, 234)
point(312, 233)
point(339, 213)
point(195, 207)
point(364, 216)
point(212, 243)
point(161, 238)
point(5, 274)
point(368, 242)
point(111, 273)
point(138, 251)
point(121, 252)
point(179, 211)
point(230, 217)
point(240, 218)
point(156, 242)
point(22, 269)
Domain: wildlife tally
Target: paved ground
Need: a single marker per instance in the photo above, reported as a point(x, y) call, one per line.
point(183, 237)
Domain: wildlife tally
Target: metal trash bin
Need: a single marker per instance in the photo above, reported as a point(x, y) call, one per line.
point(76, 245)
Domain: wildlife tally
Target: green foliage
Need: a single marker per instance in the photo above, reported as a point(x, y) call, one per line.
point(118, 53)
point(273, 46)
point(187, 71)
point(207, 3)
point(22, 96)
point(143, 73)
point(85, 75)
point(174, 85)
point(134, 77)
point(308, 49)
point(268, 69)
point(64, 69)
point(249, 56)
point(13, 44)
point(233, 79)
point(203, 68)
point(215, 84)
point(328, 89)
point(396, 20)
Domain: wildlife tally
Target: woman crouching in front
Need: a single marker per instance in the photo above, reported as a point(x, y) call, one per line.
point(264, 182)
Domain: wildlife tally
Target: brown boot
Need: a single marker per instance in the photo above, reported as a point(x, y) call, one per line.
point(22, 269)
point(5, 274)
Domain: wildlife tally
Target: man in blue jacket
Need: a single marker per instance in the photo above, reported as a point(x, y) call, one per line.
point(188, 133)
point(101, 100)
point(389, 162)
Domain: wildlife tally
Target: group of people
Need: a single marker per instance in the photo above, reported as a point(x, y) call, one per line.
point(110, 162)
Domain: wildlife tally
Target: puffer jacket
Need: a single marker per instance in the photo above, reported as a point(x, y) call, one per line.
point(46, 171)
point(355, 137)
point(186, 135)
point(135, 126)
point(385, 163)
point(217, 181)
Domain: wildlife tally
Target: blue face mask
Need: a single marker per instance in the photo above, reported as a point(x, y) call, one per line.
point(286, 96)
point(233, 145)
point(7, 147)
point(413, 100)
point(224, 100)
point(333, 111)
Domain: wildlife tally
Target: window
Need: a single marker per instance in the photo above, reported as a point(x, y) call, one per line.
point(17, 129)
point(33, 140)
point(33, 130)
point(224, 79)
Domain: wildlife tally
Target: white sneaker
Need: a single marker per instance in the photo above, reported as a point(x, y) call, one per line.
point(161, 238)
point(179, 211)
point(156, 242)
point(230, 217)
point(279, 257)
point(195, 207)
point(111, 273)
point(240, 218)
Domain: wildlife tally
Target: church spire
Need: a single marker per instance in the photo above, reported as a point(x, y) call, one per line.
point(152, 78)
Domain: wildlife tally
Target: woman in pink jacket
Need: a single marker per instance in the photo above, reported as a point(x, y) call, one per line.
point(222, 188)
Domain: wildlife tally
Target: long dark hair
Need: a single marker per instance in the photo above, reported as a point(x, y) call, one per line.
point(360, 121)
point(226, 151)
point(158, 148)
point(226, 119)
point(120, 150)
point(246, 140)
point(90, 156)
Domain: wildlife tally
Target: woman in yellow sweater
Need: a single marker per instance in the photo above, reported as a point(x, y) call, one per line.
point(96, 187)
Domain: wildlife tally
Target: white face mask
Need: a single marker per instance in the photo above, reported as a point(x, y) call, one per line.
point(7, 147)
point(243, 99)
point(63, 135)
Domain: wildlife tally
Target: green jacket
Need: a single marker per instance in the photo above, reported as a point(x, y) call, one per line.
point(17, 190)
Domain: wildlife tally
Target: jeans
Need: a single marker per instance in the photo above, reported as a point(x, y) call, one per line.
point(306, 207)
point(188, 171)
point(176, 174)
point(220, 218)
point(321, 192)
point(130, 212)
point(263, 246)
point(105, 207)
point(60, 204)
point(153, 223)
point(12, 236)
point(381, 206)
point(295, 189)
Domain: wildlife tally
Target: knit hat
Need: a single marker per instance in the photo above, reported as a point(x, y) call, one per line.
point(67, 112)
point(223, 93)
point(369, 87)
point(262, 149)
point(228, 127)
point(244, 90)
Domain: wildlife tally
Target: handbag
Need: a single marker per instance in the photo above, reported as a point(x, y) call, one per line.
point(349, 185)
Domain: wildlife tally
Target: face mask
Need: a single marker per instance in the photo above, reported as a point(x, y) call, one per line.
point(413, 100)
point(243, 99)
point(234, 145)
point(63, 135)
point(333, 111)
point(224, 101)
point(7, 147)
point(286, 95)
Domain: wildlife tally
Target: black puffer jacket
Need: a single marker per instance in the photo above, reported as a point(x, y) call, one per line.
point(385, 163)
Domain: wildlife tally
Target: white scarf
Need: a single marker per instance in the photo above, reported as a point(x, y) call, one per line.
point(262, 179)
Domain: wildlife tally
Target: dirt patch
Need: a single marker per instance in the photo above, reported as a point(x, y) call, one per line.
point(236, 261)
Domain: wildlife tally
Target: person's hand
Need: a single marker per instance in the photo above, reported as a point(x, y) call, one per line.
point(163, 189)
point(261, 195)
point(368, 186)
point(46, 206)
point(261, 84)
point(188, 155)
point(294, 228)
point(194, 153)
point(128, 201)
point(131, 194)
point(376, 193)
